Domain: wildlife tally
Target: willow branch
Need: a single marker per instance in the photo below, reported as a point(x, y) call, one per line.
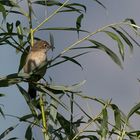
point(54, 13)
point(44, 118)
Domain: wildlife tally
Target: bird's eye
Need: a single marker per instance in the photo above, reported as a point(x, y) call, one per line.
point(45, 45)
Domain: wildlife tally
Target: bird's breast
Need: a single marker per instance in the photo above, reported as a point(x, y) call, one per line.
point(34, 59)
point(38, 57)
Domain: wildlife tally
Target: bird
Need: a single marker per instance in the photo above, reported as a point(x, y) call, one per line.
point(36, 56)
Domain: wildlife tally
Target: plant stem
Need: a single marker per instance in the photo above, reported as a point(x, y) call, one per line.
point(86, 126)
point(71, 117)
point(95, 32)
point(44, 118)
point(30, 22)
point(54, 13)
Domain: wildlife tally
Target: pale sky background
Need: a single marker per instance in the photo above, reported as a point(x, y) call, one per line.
point(104, 79)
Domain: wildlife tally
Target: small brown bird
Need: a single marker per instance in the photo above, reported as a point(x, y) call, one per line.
point(36, 56)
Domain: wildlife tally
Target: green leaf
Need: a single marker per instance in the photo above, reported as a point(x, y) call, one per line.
point(57, 63)
point(102, 47)
point(67, 88)
point(26, 117)
point(72, 60)
point(66, 125)
point(69, 10)
point(28, 134)
point(9, 3)
point(7, 131)
point(52, 41)
point(90, 137)
point(135, 132)
point(20, 35)
point(2, 9)
point(133, 110)
point(12, 45)
point(65, 29)
point(104, 124)
point(14, 138)
point(28, 101)
point(78, 22)
point(130, 36)
point(1, 94)
point(124, 38)
point(1, 112)
point(56, 3)
point(10, 80)
point(13, 79)
point(117, 39)
point(15, 12)
point(23, 58)
point(24, 93)
point(3, 39)
point(42, 88)
point(117, 116)
point(9, 27)
point(52, 114)
point(132, 22)
point(100, 3)
point(78, 5)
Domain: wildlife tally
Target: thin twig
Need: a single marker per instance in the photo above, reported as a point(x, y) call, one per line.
point(93, 119)
point(30, 22)
point(54, 13)
point(44, 118)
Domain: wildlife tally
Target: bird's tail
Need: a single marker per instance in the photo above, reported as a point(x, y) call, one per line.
point(32, 91)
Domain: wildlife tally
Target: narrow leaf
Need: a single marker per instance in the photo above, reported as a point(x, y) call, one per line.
point(133, 110)
point(117, 116)
point(26, 117)
point(27, 99)
point(104, 124)
point(64, 28)
point(78, 22)
point(52, 41)
point(58, 63)
point(10, 80)
point(68, 88)
point(23, 58)
point(124, 38)
point(41, 88)
point(2, 113)
point(132, 22)
point(69, 10)
point(1, 94)
point(2, 9)
point(102, 47)
point(56, 3)
point(90, 137)
point(15, 12)
point(9, 27)
point(7, 131)
point(53, 114)
point(100, 3)
point(28, 134)
point(65, 124)
point(13, 45)
point(78, 5)
point(14, 138)
point(20, 34)
point(72, 60)
point(130, 37)
point(7, 3)
point(117, 39)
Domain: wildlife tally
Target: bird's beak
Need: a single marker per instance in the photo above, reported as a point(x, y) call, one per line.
point(52, 47)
